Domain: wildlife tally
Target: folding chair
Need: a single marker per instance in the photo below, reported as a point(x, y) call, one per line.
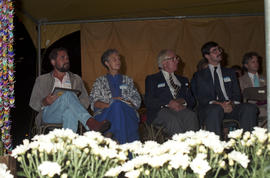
point(42, 127)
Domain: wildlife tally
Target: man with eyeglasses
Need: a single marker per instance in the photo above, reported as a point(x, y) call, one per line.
point(218, 94)
point(168, 98)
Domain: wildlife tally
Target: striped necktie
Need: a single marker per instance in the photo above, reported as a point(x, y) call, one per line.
point(175, 87)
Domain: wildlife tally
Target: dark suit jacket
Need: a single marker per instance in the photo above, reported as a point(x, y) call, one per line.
point(203, 88)
point(158, 94)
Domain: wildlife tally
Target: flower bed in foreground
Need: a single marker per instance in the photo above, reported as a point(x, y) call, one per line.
point(62, 153)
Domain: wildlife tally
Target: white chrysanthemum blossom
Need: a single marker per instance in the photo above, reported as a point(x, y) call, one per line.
point(140, 160)
point(21, 149)
point(113, 172)
point(222, 164)
point(63, 133)
point(94, 136)
point(246, 135)
point(158, 161)
point(149, 147)
point(260, 133)
point(61, 146)
point(47, 147)
point(249, 143)
point(230, 143)
point(236, 134)
point(200, 166)
point(49, 168)
point(173, 147)
point(259, 152)
point(179, 160)
point(113, 145)
point(133, 174)
point(181, 137)
point(109, 153)
point(133, 146)
point(128, 166)
point(239, 157)
point(80, 142)
point(34, 145)
point(191, 142)
point(64, 175)
point(4, 172)
point(121, 156)
point(215, 145)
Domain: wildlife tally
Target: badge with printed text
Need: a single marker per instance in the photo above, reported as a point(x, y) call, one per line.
point(227, 79)
point(160, 85)
point(123, 86)
point(261, 79)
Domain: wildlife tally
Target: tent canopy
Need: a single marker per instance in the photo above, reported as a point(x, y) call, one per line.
point(64, 10)
point(34, 12)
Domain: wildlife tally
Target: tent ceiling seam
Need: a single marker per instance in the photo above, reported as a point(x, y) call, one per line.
point(144, 18)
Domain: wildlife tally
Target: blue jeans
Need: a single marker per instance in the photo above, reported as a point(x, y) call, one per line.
point(67, 110)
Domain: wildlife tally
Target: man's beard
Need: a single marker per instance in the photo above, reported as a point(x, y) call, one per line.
point(64, 68)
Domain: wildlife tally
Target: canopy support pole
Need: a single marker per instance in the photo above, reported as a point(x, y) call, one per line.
point(39, 50)
point(267, 55)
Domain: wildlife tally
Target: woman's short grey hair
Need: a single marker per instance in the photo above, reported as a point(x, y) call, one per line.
point(105, 56)
point(161, 57)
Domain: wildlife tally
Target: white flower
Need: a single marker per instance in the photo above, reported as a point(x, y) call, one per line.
point(49, 168)
point(173, 147)
point(239, 157)
point(260, 133)
point(236, 134)
point(48, 147)
point(81, 142)
point(180, 160)
point(94, 136)
point(246, 135)
point(158, 161)
point(133, 174)
point(200, 166)
point(133, 146)
point(4, 172)
point(64, 175)
point(21, 149)
point(113, 172)
point(63, 133)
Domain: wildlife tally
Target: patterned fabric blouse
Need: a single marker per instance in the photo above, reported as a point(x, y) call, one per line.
point(101, 92)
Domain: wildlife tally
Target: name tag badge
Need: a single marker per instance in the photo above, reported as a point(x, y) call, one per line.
point(123, 86)
point(227, 79)
point(160, 85)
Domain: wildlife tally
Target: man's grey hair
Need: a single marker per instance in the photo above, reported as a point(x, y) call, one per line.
point(161, 57)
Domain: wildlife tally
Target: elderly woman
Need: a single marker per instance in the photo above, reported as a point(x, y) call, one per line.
point(115, 98)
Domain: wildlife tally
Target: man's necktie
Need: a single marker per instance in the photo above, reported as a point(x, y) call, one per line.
point(218, 92)
point(175, 87)
point(256, 81)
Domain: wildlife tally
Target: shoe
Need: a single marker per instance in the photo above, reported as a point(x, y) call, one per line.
point(108, 135)
point(98, 126)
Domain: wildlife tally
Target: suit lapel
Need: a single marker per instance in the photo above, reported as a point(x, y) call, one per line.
point(162, 80)
point(248, 80)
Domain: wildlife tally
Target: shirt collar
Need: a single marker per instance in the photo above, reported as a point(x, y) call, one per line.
point(166, 74)
point(212, 67)
point(251, 75)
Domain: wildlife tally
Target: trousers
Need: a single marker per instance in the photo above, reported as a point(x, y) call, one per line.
point(67, 110)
